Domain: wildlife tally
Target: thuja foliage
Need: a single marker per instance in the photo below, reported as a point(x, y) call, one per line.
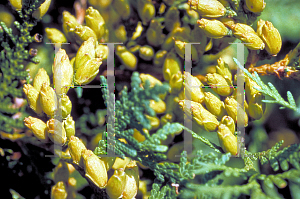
point(14, 53)
point(203, 175)
point(270, 90)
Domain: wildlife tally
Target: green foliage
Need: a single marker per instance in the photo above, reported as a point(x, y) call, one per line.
point(13, 55)
point(270, 90)
point(279, 158)
point(202, 176)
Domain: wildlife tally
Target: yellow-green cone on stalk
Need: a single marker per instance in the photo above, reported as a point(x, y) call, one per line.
point(231, 107)
point(223, 69)
point(66, 106)
point(256, 107)
point(48, 100)
point(172, 65)
point(242, 28)
point(128, 59)
point(33, 98)
point(213, 28)
point(146, 10)
point(159, 58)
point(176, 82)
point(270, 35)
point(159, 107)
point(153, 81)
point(146, 52)
point(132, 182)
point(208, 8)
point(202, 116)
point(168, 117)
point(69, 125)
point(249, 88)
point(42, 10)
point(95, 21)
point(94, 168)
point(76, 147)
point(229, 122)
point(40, 78)
point(101, 52)
point(193, 87)
point(55, 35)
point(56, 131)
point(219, 84)
point(144, 77)
point(62, 71)
point(85, 52)
point(116, 184)
point(251, 39)
point(180, 49)
point(214, 105)
point(16, 4)
point(83, 33)
point(227, 140)
point(138, 31)
point(38, 127)
point(154, 122)
point(69, 23)
point(87, 72)
point(59, 191)
point(154, 34)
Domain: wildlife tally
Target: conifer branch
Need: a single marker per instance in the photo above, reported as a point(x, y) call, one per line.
point(270, 90)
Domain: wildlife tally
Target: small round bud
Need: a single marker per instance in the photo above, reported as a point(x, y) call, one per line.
point(255, 6)
point(159, 107)
point(128, 59)
point(146, 52)
point(33, 52)
point(38, 37)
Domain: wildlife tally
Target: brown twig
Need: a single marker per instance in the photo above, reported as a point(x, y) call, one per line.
point(80, 7)
point(280, 68)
